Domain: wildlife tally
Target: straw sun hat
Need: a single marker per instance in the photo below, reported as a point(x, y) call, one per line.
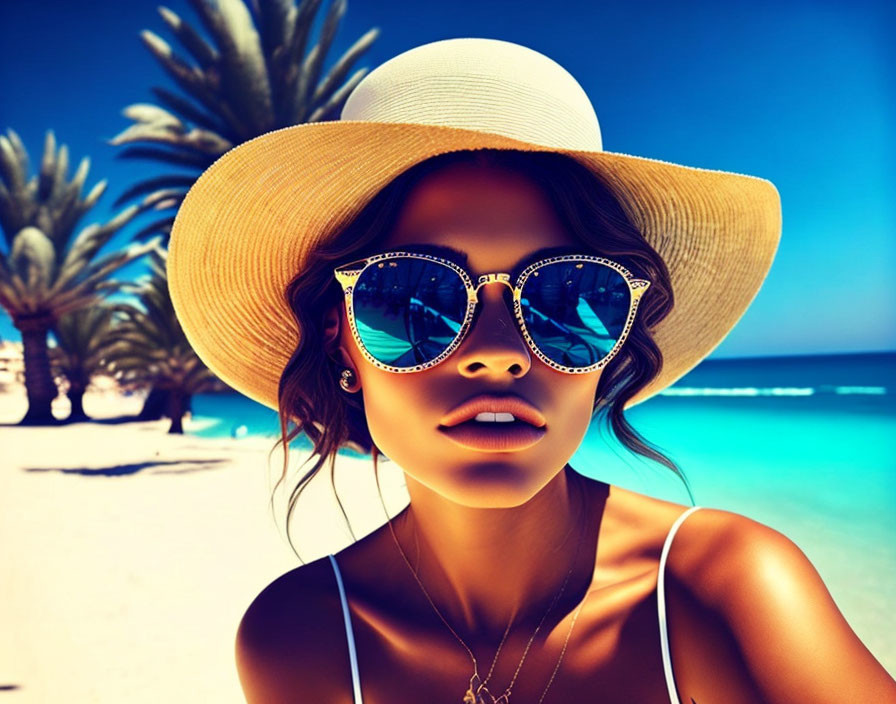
point(248, 224)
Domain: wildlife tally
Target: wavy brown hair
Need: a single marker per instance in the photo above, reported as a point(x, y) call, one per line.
point(310, 398)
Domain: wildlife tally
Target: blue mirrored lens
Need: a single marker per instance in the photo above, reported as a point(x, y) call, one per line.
point(408, 311)
point(575, 311)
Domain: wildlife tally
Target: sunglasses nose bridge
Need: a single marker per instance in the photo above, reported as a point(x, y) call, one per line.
point(491, 278)
point(495, 346)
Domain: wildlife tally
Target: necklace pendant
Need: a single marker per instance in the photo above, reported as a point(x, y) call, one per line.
point(471, 698)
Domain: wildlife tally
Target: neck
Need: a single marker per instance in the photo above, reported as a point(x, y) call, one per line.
point(485, 567)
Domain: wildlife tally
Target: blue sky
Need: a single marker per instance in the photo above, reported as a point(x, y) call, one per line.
point(801, 93)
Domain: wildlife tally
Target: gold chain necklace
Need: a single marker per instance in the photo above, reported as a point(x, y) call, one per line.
point(475, 665)
point(475, 696)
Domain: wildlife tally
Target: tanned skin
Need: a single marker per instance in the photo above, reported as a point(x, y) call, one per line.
point(493, 535)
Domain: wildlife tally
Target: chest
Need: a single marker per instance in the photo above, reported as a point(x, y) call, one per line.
point(611, 655)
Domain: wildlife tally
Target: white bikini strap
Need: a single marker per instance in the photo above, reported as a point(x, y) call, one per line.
point(661, 606)
point(352, 654)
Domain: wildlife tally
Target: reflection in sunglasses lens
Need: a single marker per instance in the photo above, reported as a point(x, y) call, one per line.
point(575, 311)
point(408, 310)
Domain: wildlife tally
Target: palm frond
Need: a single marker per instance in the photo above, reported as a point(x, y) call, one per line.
point(165, 156)
point(313, 63)
point(187, 110)
point(252, 73)
point(159, 227)
point(203, 52)
point(152, 184)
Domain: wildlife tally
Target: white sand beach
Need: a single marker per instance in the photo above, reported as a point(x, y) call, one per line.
point(129, 555)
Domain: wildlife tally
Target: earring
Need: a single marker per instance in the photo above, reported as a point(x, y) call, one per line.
point(347, 379)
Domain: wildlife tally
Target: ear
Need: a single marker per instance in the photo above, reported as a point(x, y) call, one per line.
point(333, 342)
point(332, 326)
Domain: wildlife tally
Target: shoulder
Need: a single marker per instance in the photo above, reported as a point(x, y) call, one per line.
point(287, 640)
point(733, 559)
point(723, 551)
point(791, 640)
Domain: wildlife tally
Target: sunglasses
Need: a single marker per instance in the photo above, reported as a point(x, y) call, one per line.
point(408, 311)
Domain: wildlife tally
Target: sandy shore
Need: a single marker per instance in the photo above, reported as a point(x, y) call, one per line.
point(129, 555)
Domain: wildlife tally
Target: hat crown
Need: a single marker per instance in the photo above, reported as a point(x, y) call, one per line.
point(488, 85)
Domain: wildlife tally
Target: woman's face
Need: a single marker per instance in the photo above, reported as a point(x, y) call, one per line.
point(497, 218)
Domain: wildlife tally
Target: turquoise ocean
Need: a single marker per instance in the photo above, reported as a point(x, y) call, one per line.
point(817, 431)
point(777, 439)
point(806, 445)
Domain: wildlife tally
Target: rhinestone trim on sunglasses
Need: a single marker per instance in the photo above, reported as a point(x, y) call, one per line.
point(348, 274)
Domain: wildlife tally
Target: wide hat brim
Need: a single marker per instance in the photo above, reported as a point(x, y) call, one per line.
point(249, 223)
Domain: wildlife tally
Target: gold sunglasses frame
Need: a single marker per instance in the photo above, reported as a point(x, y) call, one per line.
point(348, 274)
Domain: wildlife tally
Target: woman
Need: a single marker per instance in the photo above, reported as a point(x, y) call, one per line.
point(468, 279)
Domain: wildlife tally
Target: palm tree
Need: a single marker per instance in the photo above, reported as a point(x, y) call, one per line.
point(255, 77)
point(150, 349)
point(83, 337)
point(45, 272)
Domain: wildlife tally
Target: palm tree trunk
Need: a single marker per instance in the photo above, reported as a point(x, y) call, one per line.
point(39, 383)
point(155, 405)
point(176, 411)
point(75, 395)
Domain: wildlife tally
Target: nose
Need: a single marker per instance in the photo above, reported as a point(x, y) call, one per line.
point(494, 345)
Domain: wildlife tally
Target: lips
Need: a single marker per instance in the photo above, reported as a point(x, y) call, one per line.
point(528, 428)
point(494, 437)
point(492, 403)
